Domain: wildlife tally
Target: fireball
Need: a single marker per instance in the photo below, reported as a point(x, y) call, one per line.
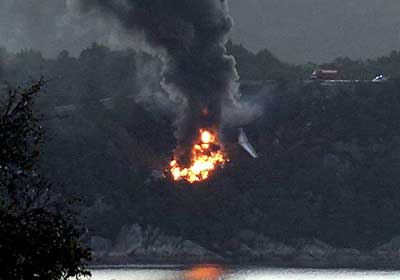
point(207, 156)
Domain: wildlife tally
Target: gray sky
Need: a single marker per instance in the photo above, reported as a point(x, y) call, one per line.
point(53, 25)
point(318, 30)
point(294, 30)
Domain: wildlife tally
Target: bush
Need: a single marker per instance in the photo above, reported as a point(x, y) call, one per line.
point(39, 238)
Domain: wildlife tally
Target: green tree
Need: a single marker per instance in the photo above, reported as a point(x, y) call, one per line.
point(39, 238)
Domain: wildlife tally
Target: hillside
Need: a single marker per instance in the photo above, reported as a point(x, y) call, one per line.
point(328, 154)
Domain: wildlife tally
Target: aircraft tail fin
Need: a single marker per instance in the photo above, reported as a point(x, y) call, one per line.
point(244, 142)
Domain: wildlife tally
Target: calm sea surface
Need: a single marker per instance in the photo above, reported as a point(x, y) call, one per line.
point(219, 273)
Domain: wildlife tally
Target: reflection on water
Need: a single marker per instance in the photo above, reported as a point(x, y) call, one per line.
point(212, 272)
point(200, 272)
point(204, 272)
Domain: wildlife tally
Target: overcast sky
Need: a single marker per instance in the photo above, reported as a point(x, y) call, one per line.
point(318, 30)
point(294, 30)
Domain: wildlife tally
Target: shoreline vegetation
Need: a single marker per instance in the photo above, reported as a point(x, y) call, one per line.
point(251, 249)
point(327, 175)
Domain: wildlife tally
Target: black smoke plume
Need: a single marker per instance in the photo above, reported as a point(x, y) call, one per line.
point(191, 34)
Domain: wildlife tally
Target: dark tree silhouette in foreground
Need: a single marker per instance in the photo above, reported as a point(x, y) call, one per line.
point(39, 238)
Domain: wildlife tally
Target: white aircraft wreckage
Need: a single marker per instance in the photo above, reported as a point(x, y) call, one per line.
point(244, 142)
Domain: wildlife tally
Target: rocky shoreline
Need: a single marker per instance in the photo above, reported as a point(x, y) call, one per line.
point(135, 245)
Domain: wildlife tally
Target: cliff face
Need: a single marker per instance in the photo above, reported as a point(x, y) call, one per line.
point(135, 244)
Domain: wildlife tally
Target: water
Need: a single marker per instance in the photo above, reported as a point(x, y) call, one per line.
point(219, 273)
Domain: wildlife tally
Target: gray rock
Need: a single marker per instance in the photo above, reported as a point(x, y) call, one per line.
point(174, 247)
point(129, 240)
point(315, 249)
point(392, 245)
point(100, 246)
point(264, 247)
point(135, 242)
point(348, 252)
point(388, 252)
point(191, 248)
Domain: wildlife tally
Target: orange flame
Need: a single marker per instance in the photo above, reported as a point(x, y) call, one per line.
point(207, 155)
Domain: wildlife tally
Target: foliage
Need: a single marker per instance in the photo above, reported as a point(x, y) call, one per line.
point(38, 235)
point(368, 69)
point(328, 164)
point(327, 170)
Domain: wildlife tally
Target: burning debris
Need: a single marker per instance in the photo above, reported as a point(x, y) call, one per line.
point(190, 37)
point(207, 155)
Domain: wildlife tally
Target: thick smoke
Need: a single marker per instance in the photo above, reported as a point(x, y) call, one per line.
point(190, 35)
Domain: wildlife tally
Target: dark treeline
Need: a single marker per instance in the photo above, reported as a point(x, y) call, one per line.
point(327, 170)
point(116, 70)
point(263, 66)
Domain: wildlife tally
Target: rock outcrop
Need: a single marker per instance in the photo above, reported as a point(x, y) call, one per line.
point(135, 244)
point(100, 246)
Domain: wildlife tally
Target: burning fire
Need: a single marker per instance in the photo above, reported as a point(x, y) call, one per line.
point(207, 155)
